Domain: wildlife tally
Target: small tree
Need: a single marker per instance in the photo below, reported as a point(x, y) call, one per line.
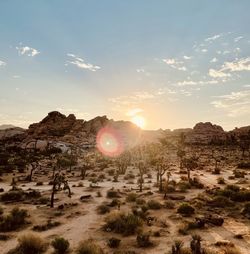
point(190, 164)
point(161, 167)
point(57, 182)
point(34, 166)
point(142, 171)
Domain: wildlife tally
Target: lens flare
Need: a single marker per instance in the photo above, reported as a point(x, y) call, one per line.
point(109, 142)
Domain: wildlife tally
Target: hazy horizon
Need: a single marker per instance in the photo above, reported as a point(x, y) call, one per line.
point(161, 64)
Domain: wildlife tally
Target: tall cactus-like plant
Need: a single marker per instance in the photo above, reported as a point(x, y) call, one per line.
point(176, 248)
point(195, 245)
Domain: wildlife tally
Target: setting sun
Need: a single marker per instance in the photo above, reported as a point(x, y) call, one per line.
point(139, 121)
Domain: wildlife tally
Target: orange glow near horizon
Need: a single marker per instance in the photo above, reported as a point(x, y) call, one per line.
point(109, 142)
point(139, 121)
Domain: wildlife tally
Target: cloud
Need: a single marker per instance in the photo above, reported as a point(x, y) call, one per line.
point(2, 63)
point(175, 64)
point(80, 63)
point(28, 51)
point(238, 38)
point(218, 74)
point(214, 60)
point(213, 38)
point(196, 83)
point(134, 111)
point(187, 57)
point(234, 104)
point(242, 64)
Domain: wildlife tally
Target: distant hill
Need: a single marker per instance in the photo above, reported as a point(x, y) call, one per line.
point(59, 127)
point(6, 126)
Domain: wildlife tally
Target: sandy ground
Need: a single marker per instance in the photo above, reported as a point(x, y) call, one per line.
point(82, 221)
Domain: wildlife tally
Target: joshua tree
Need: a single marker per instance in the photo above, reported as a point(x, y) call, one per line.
point(123, 162)
point(57, 181)
point(190, 164)
point(161, 167)
point(142, 171)
point(34, 166)
point(176, 248)
point(85, 167)
point(180, 154)
point(167, 183)
point(195, 245)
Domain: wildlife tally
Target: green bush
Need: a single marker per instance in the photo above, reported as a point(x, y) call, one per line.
point(186, 209)
point(60, 245)
point(121, 223)
point(131, 197)
point(114, 242)
point(14, 220)
point(30, 244)
point(154, 205)
point(102, 209)
point(46, 226)
point(89, 247)
point(112, 194)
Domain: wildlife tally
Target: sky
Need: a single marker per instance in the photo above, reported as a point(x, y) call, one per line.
point(170, 63)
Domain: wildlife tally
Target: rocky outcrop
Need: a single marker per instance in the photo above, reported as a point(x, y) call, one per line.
point(55, 124)
point(10, 132)
point(206, 133)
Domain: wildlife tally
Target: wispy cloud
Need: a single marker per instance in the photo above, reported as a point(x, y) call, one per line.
point(187, 57)
point(80, 63)
point(237, 65)
point(238, 38)
point(2, 63)
point(234, 104)
point(134, 111)
point(213, 38)
point(175, 64)
point(218, 73)
point(28, 51)
point(214, 60)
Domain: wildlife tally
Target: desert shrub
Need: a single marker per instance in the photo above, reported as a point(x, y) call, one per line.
point(244, 165)
point(12, 196)
point(114, 242)
point(185, 209)
point(216, 171)
point(184, 186)
point(60, 245)
point(4, 237)
point(140, 201)
point(183, 229)
point(131, 197)
point(246, 209)
point(170, 188)
point(239, 174)
point(114, 202)
point(39, 183)
point(111, 172)
point(30, 244)
point(46, 226)
point(196, 183)
point(221, 180)
point(169, 204)
point(154, 205)
point(112, 194)
point(143, 240)
point(221, 201)
point(14, 220)
point(1, 210)
point(230, 250)
point(89, 247)
point(121, 223)
point(102, 209)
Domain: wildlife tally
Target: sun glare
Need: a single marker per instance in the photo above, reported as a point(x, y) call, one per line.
point(139, 121)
